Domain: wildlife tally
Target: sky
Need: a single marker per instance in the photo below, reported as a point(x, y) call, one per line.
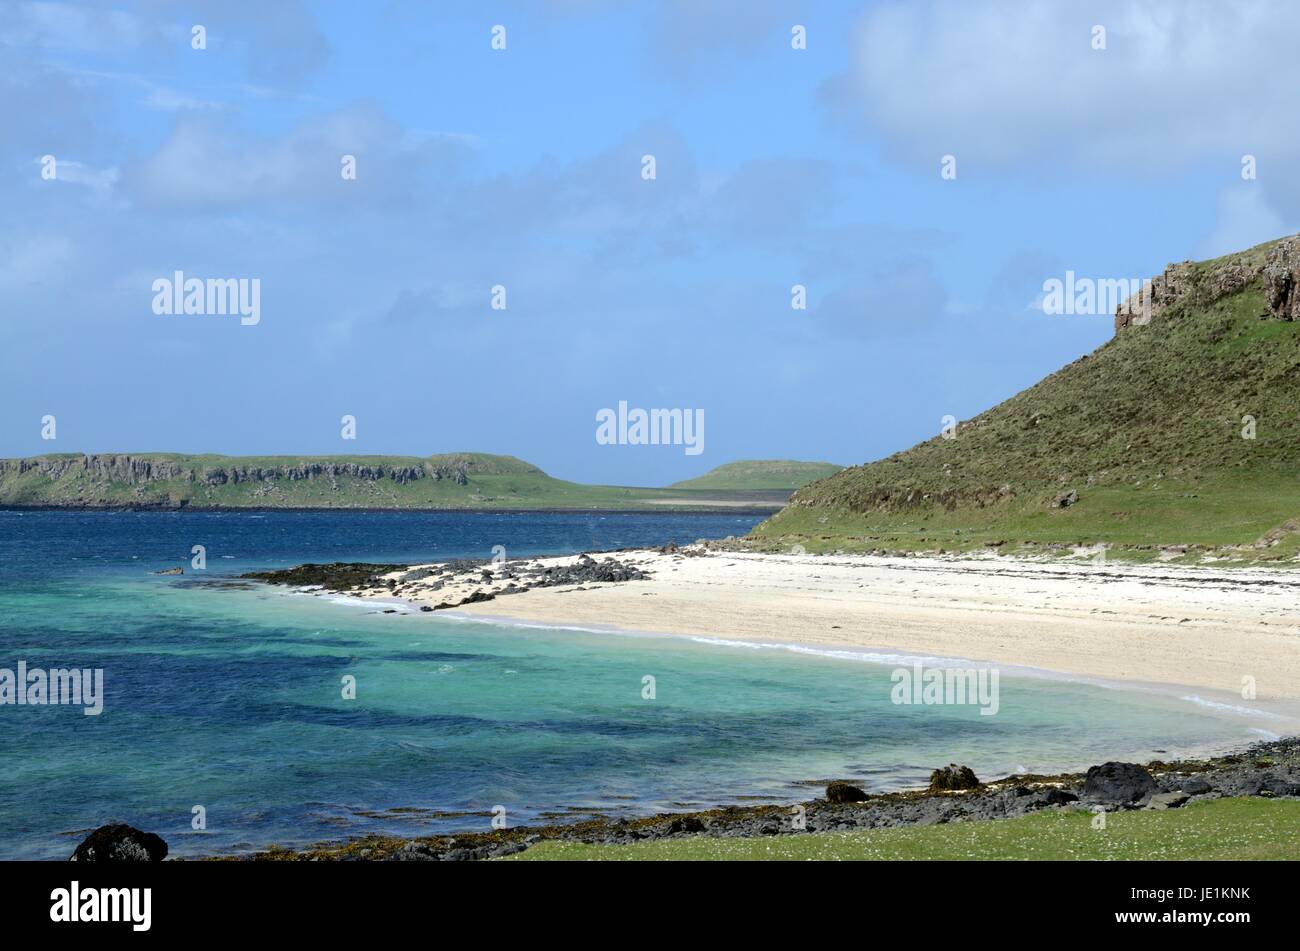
point(524, 168)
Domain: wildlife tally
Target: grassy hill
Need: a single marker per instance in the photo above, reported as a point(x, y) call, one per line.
point(759, 474)
point(1149, 430)
point(448, 481)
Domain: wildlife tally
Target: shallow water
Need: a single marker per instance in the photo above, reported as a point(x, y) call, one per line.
point(230, 697)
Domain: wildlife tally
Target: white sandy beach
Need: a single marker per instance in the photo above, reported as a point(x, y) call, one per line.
point(1197, 627)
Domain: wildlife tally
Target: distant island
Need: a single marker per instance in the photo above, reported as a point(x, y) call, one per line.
point(748, 475)
point(447, 481)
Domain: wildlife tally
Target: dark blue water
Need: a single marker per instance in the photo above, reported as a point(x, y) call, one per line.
point(39, 544)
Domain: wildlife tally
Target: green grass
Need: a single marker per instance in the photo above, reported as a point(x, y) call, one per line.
point(1147, 429)
point(1226, 829)
point(758, 474)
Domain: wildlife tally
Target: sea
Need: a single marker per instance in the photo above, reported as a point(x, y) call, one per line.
point(236, 716)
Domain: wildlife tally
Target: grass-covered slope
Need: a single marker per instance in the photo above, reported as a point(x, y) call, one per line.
point(1147, 430)
point(759, 474)
point(450, 481)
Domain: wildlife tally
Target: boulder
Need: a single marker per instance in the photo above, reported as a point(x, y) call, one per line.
point(1117, 783)
point(1056, 797)
point(840, 791)
point(1065, 499)
point(1168, 800)
point(1195, 786)
point(120, 842)
point(952, 777)
point(686, 825)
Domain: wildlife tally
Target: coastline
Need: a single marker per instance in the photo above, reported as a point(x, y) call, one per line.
point(1168, 627)
point(651, 507)
point(1001, 610)
point(1268, 770)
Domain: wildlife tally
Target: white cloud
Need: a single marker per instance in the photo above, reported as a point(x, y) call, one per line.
point(995, 83)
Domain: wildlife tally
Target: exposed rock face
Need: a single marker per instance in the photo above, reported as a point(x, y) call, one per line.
point(1281, 275)
point(1278, 273)
point(1118, 783)
point(135, 470)
point(120, 843)
point(953, 776)
point(109, 467)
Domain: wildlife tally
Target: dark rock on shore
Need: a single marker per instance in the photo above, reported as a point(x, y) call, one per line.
point(1167, 800)
point(1118, 783)
point(339, 576)
point(119, 842)
point(1270, 766)
point(585, 571)
point(953, 777)
point(171, 571)
point(1056, 797)
point(455, 577)
point(840, 791)
point(685, 825)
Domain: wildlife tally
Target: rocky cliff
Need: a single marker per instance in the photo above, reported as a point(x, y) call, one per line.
point(141, 470)
point(1276, 268)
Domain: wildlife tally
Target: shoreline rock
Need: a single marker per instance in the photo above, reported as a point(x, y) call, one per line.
point(952, 778)
point(456, 582)
point(1118, 783)
point(840, 791)
point(1269, 769)
point(119, 842)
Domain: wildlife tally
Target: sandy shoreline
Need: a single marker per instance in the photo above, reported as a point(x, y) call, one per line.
point(1154, 624)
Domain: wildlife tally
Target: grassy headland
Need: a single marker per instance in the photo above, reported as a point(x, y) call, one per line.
point(448, 481)
point(1182, 433)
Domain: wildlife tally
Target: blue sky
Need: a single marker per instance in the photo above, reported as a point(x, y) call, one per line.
point(522, 167)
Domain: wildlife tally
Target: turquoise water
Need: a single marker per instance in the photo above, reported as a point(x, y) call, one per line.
point(230, 698)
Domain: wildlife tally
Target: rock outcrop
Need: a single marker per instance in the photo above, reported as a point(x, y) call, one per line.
point(120, 842)
point(1277, 271)
point(1118, 783)
point(840, 791)
point(1281, 275)
point(138, 470)
point(952, 777)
